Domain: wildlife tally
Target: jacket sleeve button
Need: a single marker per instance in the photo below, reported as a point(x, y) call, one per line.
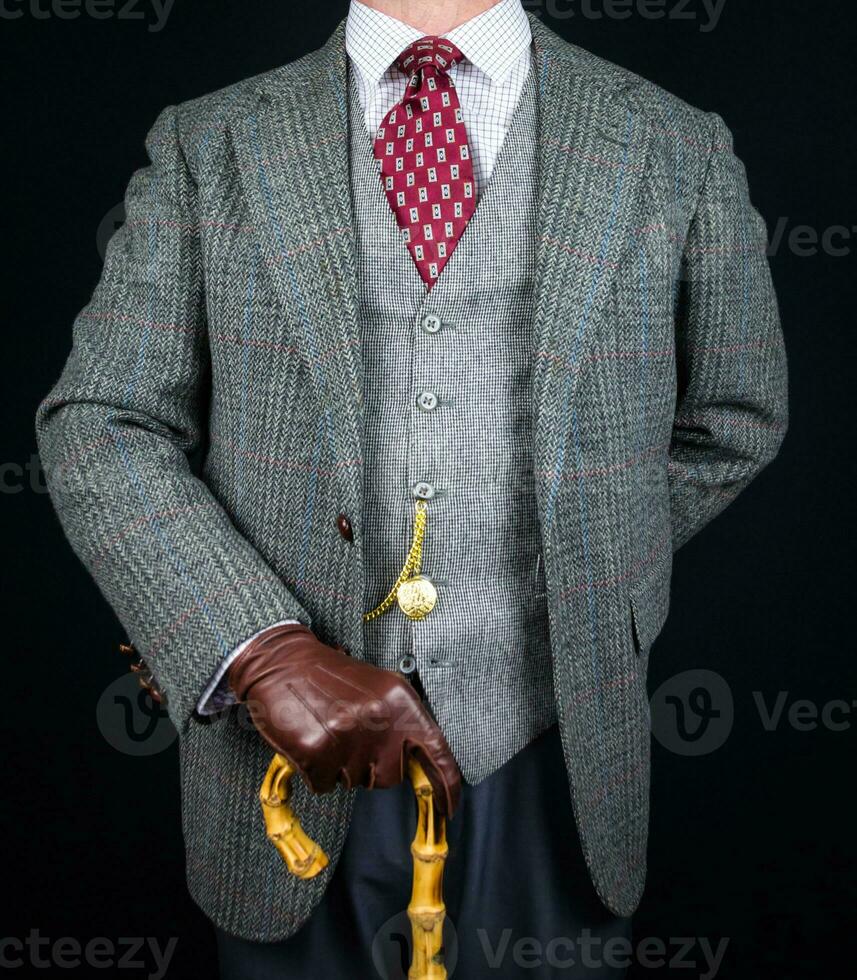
point(345, 528)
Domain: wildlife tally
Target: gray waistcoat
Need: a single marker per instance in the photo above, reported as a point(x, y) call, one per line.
point(448, 415)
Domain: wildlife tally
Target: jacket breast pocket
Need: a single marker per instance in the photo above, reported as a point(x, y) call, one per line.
point(649, 600)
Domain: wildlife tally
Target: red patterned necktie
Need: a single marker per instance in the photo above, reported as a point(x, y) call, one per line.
point(424, 157)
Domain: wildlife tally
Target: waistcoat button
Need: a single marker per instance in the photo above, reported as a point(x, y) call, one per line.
point(345, 528)
point(423, 490)
point(431, 323)
point(427, 401)
point(408, 664)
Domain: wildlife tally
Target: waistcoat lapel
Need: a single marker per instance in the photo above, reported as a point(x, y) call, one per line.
point(592, 148)
point(292, 153)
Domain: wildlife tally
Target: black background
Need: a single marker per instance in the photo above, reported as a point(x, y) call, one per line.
point(754, 841)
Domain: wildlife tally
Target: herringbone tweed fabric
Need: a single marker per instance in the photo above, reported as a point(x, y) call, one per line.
point(483, 654)
point(228, 314)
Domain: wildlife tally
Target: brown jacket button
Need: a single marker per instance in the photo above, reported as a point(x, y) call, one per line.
point(345, 528)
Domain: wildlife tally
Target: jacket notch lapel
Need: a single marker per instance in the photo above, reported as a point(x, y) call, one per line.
point(593, 149)
point(292, 152)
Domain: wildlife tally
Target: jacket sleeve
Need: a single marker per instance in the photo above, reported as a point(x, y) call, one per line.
point(731, 414)
point(114, 437)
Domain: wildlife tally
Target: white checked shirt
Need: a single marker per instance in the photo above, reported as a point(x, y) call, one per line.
point(497, 49)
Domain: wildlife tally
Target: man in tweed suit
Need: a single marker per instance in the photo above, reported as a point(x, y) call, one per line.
point(568, 382)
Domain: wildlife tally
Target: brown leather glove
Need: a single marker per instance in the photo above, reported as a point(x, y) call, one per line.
point(338, 719)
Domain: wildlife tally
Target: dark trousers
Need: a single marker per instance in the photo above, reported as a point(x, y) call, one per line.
point(518, 896)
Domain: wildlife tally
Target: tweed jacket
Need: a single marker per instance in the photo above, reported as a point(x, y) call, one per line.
point(226, 320)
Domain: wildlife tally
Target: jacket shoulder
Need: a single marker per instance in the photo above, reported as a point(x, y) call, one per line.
point(200, 120)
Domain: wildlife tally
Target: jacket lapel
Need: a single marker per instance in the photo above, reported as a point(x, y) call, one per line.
point(292, 152)
point(593, 148)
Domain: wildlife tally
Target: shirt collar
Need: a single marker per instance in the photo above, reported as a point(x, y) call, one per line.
point(374, 40)
point(493, 41)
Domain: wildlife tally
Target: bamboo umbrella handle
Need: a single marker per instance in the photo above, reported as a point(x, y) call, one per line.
point(305, 859)
point(426, 910)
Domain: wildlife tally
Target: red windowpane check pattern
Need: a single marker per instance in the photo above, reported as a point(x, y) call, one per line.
point(424, 157)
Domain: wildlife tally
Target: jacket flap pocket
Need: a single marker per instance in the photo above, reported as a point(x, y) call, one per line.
point(650, 601)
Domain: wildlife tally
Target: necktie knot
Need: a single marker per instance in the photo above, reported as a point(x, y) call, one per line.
point(434, 52)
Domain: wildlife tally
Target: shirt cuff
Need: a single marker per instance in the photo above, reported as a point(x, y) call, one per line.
point(218, 695)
